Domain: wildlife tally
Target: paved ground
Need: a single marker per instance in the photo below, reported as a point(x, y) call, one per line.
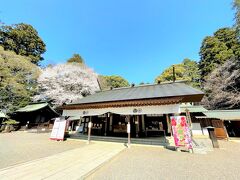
point(18, 147)
point(75, 159)
point(72, 164)
point(159, 163)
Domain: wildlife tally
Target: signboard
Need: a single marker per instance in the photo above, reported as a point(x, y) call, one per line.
point(181, 132)
point(58, 129)
point(128, 128)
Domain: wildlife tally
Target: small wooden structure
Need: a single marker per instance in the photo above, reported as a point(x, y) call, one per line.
point(226, 122)
point(36, 115)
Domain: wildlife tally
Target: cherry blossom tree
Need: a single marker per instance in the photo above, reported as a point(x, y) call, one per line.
point(65, 83)
point(222, 86)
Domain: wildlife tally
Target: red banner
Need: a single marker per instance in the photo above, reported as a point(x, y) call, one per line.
point(181, 132)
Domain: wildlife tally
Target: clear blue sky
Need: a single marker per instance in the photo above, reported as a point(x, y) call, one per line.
point(133, 38)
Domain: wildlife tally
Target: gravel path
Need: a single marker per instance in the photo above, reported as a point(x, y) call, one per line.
point(18, 147)
point(159, 163)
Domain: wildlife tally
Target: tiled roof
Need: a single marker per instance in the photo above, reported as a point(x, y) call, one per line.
point(223, 114)
point(176, 89)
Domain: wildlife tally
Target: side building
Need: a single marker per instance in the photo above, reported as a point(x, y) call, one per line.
point(37, 115)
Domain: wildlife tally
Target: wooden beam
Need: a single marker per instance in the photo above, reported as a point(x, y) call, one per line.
point(145, 102)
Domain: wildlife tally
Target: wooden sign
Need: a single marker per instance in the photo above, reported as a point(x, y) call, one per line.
point(58, 129)
point(181, 132)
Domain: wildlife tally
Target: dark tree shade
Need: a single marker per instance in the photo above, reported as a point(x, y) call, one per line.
point(24, 40)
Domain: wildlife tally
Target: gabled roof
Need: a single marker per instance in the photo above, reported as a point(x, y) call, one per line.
point(36, 107)
point(146, 92)
point(223, 114)
point(33, 107)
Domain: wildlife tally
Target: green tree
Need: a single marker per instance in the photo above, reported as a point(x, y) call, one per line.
point(236, 6)
point(187, 71)
point(107, 82)
point(191, 72)
point(217, 49)
point(76, 58)
point(167, 74)
point(229, 37)
point(18, 78)
point(24, 40)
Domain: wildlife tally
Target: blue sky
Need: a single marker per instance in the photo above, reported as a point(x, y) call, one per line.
point(136, 39)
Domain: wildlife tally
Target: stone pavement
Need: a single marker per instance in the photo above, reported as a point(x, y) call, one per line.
point(72, 164)
point(143, 162)
point(19, 147)
point(202, 145)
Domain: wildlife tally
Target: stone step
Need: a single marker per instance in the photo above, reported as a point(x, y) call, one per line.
point(160, 141)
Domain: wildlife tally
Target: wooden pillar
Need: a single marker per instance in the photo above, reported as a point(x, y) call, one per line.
point(169, 128)
point(188, 116)
point(111, 122)
point(80, 121)
point(137, 125)
point(224, 127)
point(105, 127)
point(84, 120)
point(143, 123)
point(72, 125)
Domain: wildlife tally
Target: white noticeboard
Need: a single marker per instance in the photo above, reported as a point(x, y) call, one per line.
point(128, 128)
point(58, 129)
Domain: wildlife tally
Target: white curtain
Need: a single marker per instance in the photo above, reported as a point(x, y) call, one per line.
point(138, 110)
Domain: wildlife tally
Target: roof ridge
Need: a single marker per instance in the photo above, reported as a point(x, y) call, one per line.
point(144, 85)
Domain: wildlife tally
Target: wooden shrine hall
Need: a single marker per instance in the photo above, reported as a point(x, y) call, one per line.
point(147, 107)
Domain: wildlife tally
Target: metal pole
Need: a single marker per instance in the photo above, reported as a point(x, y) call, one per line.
point(174, 75)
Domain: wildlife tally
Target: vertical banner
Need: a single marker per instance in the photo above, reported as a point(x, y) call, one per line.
point(58, 129)
point(181, 132)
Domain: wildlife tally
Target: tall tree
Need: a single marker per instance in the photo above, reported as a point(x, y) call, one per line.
point(65, 83)
point(113, 81)
point(24, 40)
point(217, 49)
point(18, 78)
point(76, 58)
point(229, 37)
point(187, 71)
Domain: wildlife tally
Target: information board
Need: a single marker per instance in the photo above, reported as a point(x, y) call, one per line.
point(181, 132)
point(58, 129)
